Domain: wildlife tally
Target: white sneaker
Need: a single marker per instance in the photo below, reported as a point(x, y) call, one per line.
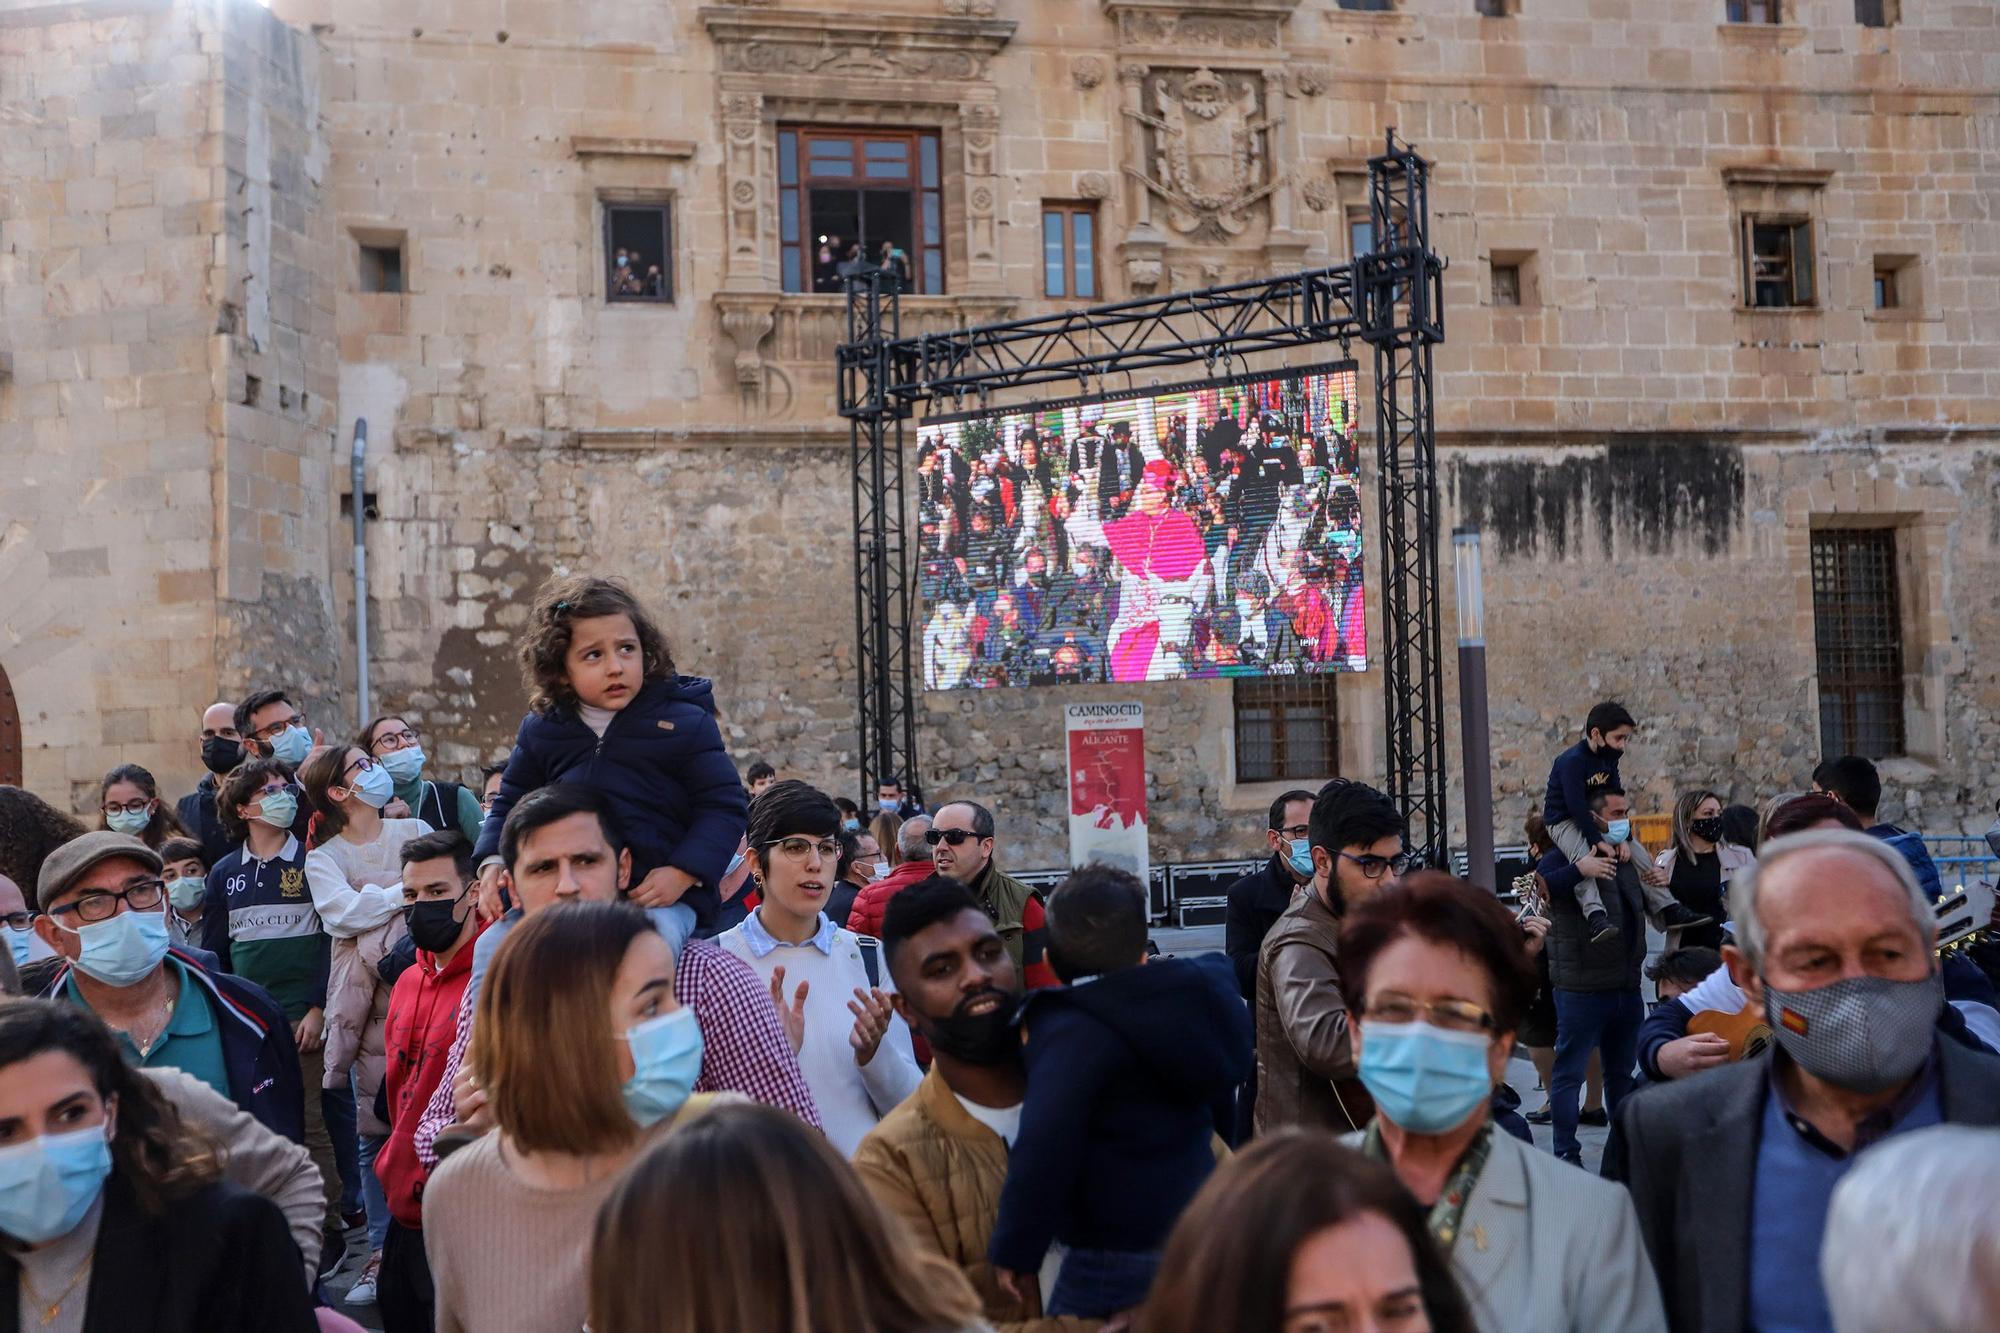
point(364, 1288)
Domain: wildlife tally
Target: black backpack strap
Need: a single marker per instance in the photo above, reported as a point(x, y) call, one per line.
point(446, 796)
point(871, 958)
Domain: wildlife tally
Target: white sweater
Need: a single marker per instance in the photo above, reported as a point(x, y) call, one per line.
point(851, 1097)
point(356, 886)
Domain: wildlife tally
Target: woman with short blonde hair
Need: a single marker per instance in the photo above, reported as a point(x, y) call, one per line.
point(746, 1219)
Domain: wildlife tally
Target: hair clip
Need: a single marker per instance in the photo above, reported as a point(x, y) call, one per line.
point(562, 606)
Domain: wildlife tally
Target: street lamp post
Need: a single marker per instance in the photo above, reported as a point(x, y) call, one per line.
point(1473, 723)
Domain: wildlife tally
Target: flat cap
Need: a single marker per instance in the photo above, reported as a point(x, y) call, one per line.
point(67, 863)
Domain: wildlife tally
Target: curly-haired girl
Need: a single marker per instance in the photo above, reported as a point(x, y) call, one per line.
point(608, 709)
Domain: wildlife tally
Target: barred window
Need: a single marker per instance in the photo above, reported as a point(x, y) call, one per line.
point(1287, 729)
point(1858, 639)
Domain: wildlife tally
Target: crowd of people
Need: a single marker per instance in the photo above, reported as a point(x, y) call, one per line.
point(1188, 535)
point(623, 1040)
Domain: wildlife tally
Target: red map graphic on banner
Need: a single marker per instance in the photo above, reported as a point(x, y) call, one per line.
point(1108, 776)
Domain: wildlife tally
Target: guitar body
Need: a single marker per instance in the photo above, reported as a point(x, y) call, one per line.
point(1746, 1031)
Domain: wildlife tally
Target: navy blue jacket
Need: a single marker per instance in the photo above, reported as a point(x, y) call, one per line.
point(661, 764)
point(1577, 774)
point(1129, 1076)
point(1910, 846)
point(1575, 961)
point(257, 1047)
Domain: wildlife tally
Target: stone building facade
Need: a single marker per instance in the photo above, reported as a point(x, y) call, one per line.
point(229, 233)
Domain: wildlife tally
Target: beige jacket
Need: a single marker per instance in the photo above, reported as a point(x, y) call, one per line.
point(939, 1172)
point(253, 1157)
point(1305, 1063)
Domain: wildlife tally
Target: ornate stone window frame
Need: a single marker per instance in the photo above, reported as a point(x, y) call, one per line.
point(910, 71)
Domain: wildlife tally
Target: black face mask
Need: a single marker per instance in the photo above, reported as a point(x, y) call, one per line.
point(978, 1039)
point(1708, 830)
point(434, 923)
point(219, 754)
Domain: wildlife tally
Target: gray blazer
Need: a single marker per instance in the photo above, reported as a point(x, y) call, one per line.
point(1544, 1247)
point(1688, 1152)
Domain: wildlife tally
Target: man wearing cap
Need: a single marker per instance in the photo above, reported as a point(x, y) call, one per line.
point(104, 911)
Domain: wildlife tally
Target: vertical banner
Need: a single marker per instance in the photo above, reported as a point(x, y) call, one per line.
point(1107, 785)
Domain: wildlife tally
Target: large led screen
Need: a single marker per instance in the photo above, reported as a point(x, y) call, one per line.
point(1189, 533)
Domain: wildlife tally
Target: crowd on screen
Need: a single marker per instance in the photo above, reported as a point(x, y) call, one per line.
point(618, 1039)
point(1189, 535)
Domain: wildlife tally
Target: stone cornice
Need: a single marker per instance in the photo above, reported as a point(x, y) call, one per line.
point(1775, 173)
point(754, 40)
point(1227, 25)
point(590, 145)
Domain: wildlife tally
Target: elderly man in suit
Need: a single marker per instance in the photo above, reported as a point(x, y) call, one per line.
point(1733, 1170)
point(1438, 977)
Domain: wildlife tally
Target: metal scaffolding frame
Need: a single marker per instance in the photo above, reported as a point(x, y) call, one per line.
point(1390, 298)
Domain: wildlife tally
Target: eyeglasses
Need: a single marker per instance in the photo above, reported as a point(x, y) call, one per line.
point(18, 920)
point(1296, 831)
point(1452, 1015)
point(271, 730)
point(141, 896)
point(1372, 867)
point(954, 836)
point(129, 808)
point(799, 849)
point(361, 765)
point(396, 740)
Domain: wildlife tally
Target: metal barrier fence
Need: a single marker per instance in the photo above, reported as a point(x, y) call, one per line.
point(1196, 893)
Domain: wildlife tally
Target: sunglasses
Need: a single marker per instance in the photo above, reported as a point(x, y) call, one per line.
point(954, 836)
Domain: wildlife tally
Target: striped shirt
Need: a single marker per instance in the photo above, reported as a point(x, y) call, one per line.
point(744, 1049)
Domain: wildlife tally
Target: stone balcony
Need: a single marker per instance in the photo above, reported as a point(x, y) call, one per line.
point(785, 342)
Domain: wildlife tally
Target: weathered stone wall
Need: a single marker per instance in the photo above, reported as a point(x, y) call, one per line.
point(166, 536)
point(1647, 457)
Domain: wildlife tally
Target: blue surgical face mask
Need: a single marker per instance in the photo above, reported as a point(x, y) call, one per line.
point(187, 892)
point(404, 765)
point(20, 941)
point(1617, 831)
point(889, 804)
point(291, 746)
point(278, 809)
point(734, 862)
point(666, 1060)
point(850, 826)
point(124, 949)
point(131, 822)
point(1300, 857)
point(1424, 1079)
point(374, 786)
point(47, 1184)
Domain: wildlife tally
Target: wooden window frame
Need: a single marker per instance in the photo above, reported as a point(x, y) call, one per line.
point(1069, 210)
point(925, 187)
point(665, 209)
point(1278, 693)
point(1798, 226)
point(1858, 614)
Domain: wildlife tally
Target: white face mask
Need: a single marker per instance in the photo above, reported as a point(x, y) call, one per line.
point(881, 869)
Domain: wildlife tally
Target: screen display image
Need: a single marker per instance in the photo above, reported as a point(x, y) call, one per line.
point(1187, 533)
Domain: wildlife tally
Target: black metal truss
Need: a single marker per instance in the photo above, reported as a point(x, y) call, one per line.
point(1401, 283)
point(883, 595)
point(1391, 298)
